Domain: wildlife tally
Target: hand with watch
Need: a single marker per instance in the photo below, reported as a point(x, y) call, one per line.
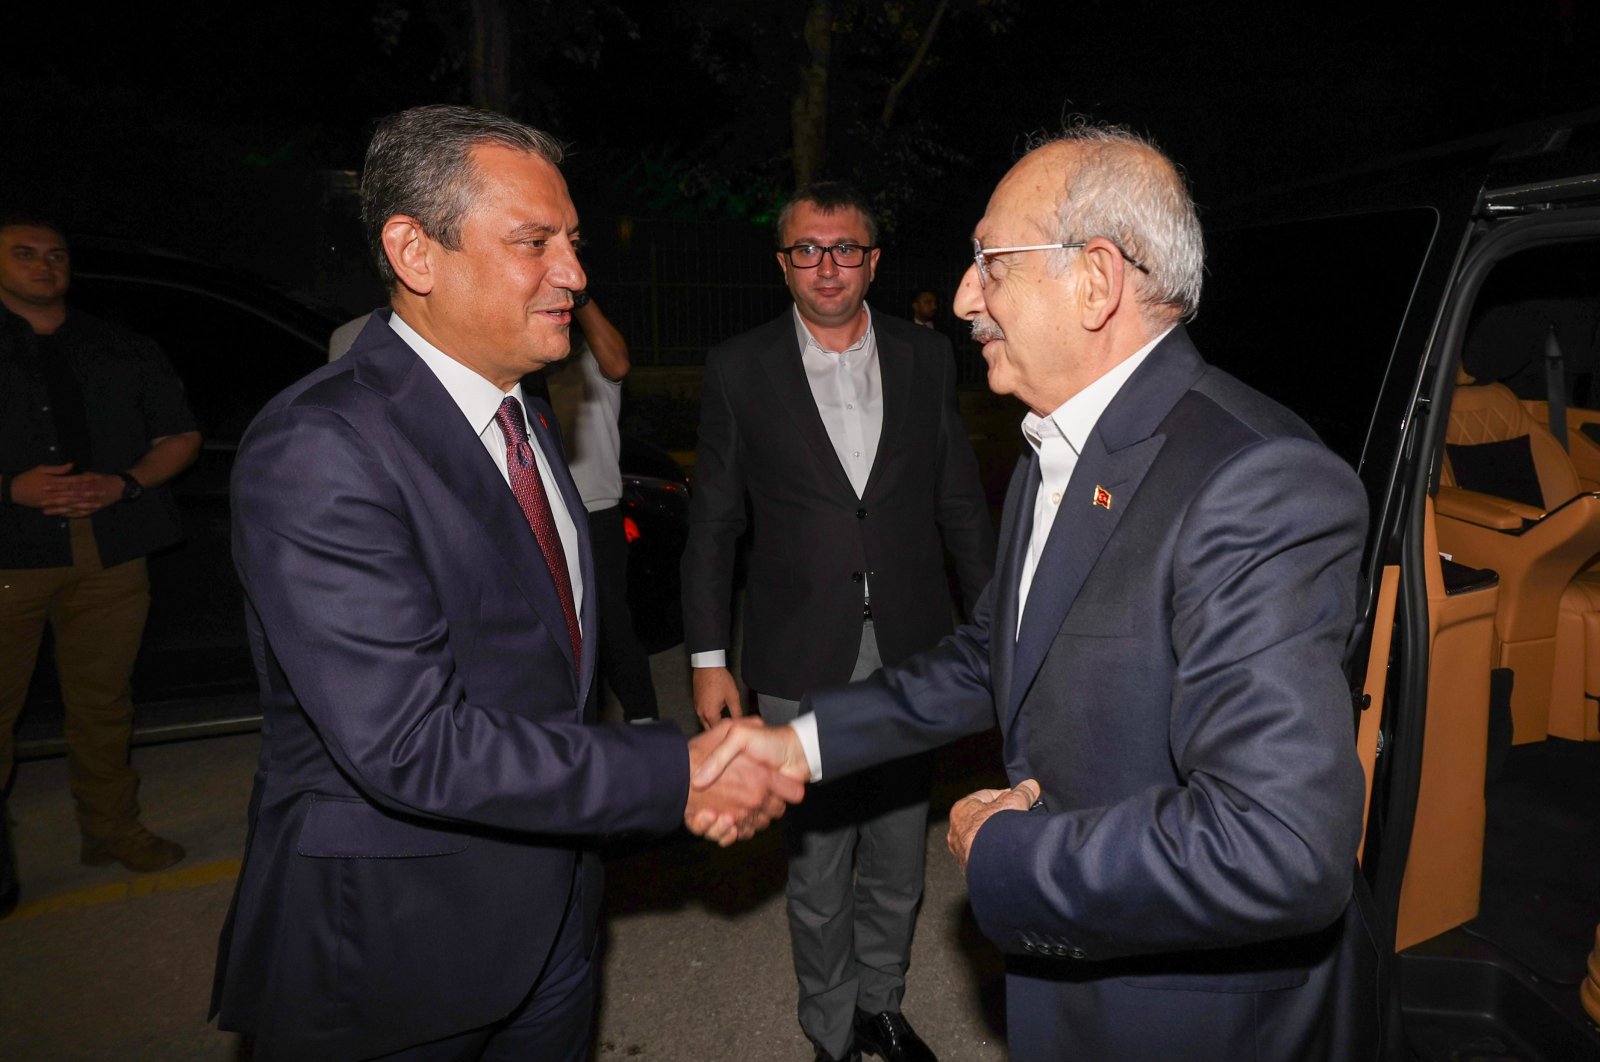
point(57, 491)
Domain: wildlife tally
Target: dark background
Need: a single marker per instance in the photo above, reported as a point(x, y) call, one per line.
point(229, 131)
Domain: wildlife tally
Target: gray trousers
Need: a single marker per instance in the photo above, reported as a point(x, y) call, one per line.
point(850, 920)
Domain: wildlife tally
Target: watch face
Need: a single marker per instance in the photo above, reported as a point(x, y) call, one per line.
point(130, 488)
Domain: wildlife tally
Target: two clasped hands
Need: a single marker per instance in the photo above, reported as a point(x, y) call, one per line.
point(743, 775)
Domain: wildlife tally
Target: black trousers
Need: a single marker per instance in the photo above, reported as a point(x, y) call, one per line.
point(622, 662)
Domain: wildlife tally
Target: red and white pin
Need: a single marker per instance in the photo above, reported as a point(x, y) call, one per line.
point(1102, 497)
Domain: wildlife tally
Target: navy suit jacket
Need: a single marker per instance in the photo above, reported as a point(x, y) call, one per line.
point(1187, 891)
point(427, 775)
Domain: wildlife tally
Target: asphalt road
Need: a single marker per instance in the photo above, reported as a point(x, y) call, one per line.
point(98, 963)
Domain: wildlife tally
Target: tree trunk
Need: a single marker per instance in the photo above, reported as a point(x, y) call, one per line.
point(809, 114)
point(489, 56)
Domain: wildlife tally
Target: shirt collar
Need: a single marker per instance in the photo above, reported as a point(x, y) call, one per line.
point(1075, 418)
point(477, 398)
point(803, 336)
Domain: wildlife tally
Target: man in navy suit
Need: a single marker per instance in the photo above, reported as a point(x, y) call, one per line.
point(421, 609)
point(1171, 875)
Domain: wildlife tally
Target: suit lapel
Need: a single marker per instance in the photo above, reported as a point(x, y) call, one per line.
point(1016, 524)
point(1116, 457)
point(781, 361)
point(426, 414)
point(895, 378)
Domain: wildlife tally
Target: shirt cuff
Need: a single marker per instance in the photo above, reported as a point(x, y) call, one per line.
point(709, 658)
point(805, 728)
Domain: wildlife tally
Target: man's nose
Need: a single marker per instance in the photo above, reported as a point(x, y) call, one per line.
point(827, 267)
point(567, 272)
point(969, 296)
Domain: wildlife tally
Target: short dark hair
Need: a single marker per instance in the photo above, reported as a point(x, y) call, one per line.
point(419, 164)
point(828, 197)
point(11, 217)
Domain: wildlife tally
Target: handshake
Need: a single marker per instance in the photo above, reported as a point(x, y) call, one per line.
point(743, 775)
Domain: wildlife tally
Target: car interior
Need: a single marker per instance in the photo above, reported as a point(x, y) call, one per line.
point(1503, 848)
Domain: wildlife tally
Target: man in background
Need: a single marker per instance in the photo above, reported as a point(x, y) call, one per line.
point(838, 427)
point(93, 424)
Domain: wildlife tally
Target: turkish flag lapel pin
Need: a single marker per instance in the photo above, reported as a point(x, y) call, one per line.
point(1102, 498)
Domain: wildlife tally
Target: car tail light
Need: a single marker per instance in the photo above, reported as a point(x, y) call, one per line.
point(630, 529)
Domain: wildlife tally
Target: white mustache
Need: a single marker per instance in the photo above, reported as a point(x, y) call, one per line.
point(984, 330)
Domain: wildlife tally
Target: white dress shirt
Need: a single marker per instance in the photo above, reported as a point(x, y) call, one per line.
point(479, 400)
point(1058, 440)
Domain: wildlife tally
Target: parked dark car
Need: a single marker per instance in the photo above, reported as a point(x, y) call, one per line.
point(1424, 316)
point(236, 342)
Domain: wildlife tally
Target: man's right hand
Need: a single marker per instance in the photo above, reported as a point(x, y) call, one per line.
point(745, 792)
point(43, 486)
point(715, 690)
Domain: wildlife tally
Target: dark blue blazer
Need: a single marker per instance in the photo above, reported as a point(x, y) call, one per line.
point(1188, 889)
point(427, 775)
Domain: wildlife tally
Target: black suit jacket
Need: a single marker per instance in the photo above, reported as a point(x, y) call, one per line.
point(427, 775)
point(1176, 686)
point(813, 540)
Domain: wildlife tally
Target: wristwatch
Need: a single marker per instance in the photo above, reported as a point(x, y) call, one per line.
point(131, 488)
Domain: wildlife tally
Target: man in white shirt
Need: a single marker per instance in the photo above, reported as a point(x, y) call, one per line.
point(1172, 872)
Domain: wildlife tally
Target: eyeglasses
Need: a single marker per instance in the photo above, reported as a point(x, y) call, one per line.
point(982, 254)
point(809, 255)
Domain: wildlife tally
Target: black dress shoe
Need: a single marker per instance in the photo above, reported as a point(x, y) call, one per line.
point(890, 1037)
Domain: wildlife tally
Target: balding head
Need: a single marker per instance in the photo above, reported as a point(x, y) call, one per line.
point(1106, 181)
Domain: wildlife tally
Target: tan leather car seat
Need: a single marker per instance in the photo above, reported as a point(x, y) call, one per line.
point(1509, 499)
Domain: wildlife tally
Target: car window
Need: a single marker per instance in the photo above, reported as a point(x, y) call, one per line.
point(231, 359)
point(1308, 312)
point(1548, 292)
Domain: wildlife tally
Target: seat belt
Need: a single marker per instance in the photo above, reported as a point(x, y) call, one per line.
point(1555, 387)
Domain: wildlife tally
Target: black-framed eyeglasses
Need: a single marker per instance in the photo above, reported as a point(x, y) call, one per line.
point(982, 254)
point(809, 255)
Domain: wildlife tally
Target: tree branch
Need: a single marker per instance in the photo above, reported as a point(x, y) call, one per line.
point(893, 99)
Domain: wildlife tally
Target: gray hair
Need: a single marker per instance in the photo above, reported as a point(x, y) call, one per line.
point(419, 164)
point(1122, 187)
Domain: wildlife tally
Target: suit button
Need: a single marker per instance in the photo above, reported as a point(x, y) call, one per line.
point(855, 577)
point(1077, 953)
point(861, 514)
point(1029, 947)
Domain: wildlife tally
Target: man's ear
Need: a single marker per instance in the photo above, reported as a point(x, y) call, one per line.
point(1100, 292)
point(410, 252)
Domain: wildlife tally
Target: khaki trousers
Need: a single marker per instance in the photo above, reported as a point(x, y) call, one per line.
point(97, 616)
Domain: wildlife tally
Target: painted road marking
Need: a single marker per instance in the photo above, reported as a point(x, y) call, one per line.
point(143, 885)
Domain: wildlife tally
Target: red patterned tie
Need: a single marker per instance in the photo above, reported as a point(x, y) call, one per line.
point(529, 489)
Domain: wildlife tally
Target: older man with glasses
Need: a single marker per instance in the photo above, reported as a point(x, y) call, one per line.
point(837, 426)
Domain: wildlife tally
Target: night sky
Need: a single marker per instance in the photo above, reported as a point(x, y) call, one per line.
point(204, 126)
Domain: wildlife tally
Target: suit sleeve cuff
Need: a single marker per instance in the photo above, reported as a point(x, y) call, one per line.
point(709, 658)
